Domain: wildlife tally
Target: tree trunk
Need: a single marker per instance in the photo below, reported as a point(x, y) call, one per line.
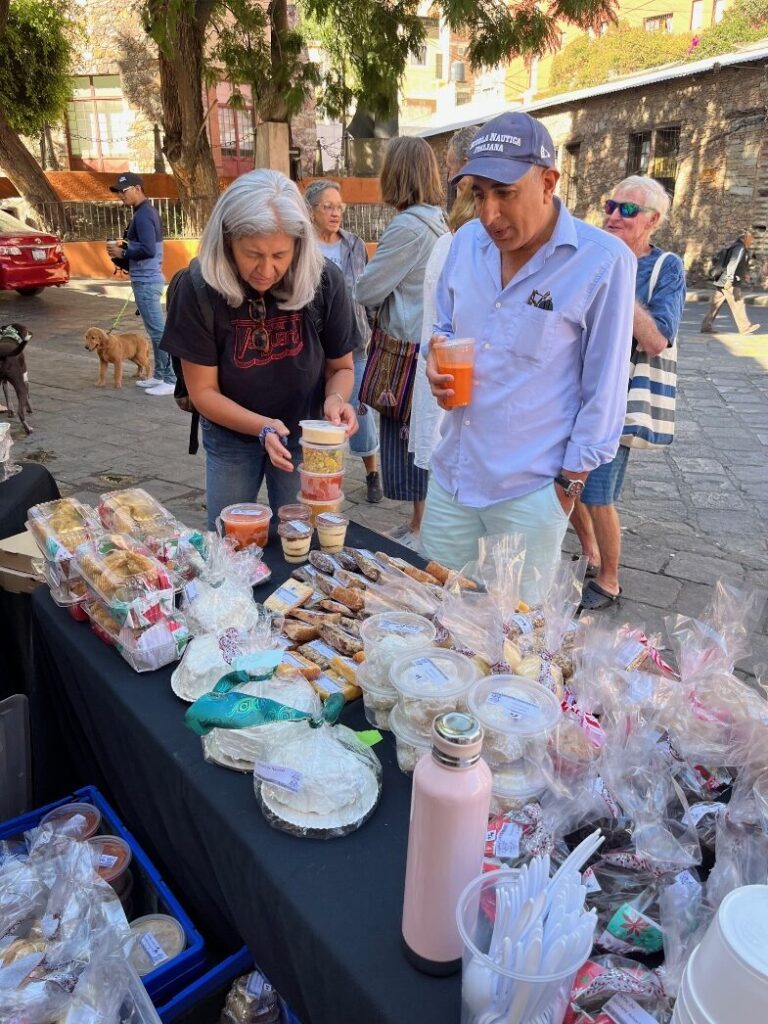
point(158, 140)
point(186, 142)
point(50, 161)
point(27, 176)
point(272, 105)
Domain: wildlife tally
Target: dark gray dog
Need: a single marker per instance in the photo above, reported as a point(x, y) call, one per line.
point(13, 368)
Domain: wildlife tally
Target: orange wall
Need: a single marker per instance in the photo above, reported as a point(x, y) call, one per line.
point(89, 259)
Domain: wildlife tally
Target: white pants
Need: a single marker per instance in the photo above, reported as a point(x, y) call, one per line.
point(450, 532)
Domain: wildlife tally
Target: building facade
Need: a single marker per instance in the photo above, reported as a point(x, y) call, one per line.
point(699, 128)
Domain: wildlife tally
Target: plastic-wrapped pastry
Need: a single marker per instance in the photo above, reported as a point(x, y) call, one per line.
point(252, 1000)
point(431, 682)
point(147, 648)
point(61, 526)
point(544, 670)
point(320, 783)
point(124, 511)
point(517, 715)
point(136, 588)
point(200, 669)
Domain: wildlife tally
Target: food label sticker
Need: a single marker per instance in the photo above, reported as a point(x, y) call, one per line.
point(698, 811)
point(629, 652)
point(332, 517)
point(285, 778)
point(153, 949)
point(638, 931)
point(300, 527)
point(490, 835)
point(427, 669)
point(191, 590)
point(246, 512)
point(286, 594)
point(325, 682)
point(508, 841)
point(686, 884)
point(401, 628)
point(107, 860)
point(516, 706)
point(73, 825)
point(255, 985)
point(523, 623)
point(319, 647)
point(624, 1010)
point(590, 882)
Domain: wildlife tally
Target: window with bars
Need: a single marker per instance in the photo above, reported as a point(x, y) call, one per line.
point(571, 169)
point(666, 150)
point(658, 23)
point(97, 123)
point(639, 154)
point(697, 14)
point(236, 132)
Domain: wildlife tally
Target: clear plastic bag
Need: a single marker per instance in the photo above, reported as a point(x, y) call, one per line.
point(222, 596)
point(209, 656)
point(684, 916)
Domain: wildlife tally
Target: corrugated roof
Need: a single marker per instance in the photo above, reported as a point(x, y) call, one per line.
point(683, 69)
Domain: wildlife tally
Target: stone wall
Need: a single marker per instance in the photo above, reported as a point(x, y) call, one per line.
point(722, 178)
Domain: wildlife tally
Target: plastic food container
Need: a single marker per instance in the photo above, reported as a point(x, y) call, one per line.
point(157, 939)
point(322, 432)
point(66, 592)
point(378, 701)
point(111, 856)
point(331, 531)
point(388, 636)
point(429, 682)
point(515, 785)
point(134, 585)
point(80, 821)
point(60, 527)
point(144, 649)
point(320, 486)
point(411, 746)
point(288, 512)
point(246, 523)
point(131, 509)
point(316, 507)
point(517, 715)
point(295, 536)
point(323, 458)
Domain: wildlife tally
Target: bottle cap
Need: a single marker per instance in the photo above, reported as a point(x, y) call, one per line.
point(457, 739)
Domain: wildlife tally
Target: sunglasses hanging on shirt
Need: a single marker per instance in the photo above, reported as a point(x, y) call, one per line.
point(257, 311)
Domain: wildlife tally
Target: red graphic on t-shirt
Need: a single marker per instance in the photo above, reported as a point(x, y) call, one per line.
point(258, 343)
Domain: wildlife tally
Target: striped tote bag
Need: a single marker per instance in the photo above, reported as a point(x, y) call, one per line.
point(650, 420)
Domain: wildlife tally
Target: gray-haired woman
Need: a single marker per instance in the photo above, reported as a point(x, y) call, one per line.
point(281, 348)
point(347, 251)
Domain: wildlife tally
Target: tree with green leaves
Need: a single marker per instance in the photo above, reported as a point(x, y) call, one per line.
point(35, 57)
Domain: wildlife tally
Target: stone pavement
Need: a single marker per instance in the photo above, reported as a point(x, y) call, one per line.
point(690, 515)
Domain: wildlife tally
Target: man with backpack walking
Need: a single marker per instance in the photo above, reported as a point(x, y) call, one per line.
point(728, 271)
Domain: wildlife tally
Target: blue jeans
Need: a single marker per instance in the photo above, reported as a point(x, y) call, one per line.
point(366, 440)
point(148, 295)
point(235, 470)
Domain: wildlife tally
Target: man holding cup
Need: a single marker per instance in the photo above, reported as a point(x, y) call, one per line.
point(548, 301)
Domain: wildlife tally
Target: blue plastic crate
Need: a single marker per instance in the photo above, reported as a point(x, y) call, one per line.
point(202, 1001)
point(169, 977)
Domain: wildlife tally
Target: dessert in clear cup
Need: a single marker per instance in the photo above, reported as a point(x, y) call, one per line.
point(323, 432)
point(517, 715)
point(390, 634)
point(315, 508)
point(378, 701)
point(247, 523)
point(429, 682)
point(320, 486)
point(323, 458)
point(410, 745)
point(288, 512)
point(331, 531)
point(295, 537)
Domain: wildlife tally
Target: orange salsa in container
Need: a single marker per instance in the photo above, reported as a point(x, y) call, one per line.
point(247, 523)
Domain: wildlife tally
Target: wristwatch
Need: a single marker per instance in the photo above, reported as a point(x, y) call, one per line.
point(572, 488)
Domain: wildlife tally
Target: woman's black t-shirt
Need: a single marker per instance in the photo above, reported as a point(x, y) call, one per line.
point(279, 374)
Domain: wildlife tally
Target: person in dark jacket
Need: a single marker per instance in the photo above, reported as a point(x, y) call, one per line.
point(728, 288)
point(141, 254)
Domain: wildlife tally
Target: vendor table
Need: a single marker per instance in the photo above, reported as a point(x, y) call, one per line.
point(322, 918)
point(17, 495)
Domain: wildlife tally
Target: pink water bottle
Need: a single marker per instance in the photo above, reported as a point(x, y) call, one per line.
point(446, 841)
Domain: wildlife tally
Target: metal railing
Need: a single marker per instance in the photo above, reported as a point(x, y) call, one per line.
point(97, 221)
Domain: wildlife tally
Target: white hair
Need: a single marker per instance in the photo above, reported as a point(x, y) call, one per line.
point(654, 193)
point(261, 202)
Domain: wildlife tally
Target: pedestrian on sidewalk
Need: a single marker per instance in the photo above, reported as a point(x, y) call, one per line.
point(141, 254)
point(638, 206)
point(728, 287)
point(548, 300)
point(393, 283)
point(347, 250)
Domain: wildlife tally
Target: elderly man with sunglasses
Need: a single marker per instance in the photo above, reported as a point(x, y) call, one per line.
point(637, 208)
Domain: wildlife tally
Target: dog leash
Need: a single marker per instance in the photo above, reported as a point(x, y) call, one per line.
point(119, 316)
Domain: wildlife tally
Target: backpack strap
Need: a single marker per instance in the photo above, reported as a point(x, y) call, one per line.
point(202, 294)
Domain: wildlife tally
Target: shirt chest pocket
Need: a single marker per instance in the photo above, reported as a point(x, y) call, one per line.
point(521, 343)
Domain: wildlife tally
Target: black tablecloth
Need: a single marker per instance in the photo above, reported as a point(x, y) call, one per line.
point(322, 918)
point(17, 494)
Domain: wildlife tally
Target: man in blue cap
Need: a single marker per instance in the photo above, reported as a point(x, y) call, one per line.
point(549, 301)
point(141, 254)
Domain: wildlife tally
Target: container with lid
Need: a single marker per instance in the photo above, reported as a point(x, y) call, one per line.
point(78, 820)
point(288, 512)
point(515, 785)
point(247, 523)
point(378, 701)
point(331, 531)
point(517, 714)
point(389, 635)
point(320, 486)
point(429, 682)
point(411, 746)
point(323, 432)
point(323, 458)
point(315, 508)
point(111, 856)
point(157, 939)
point(295, 537)
point(60, 527)
point(133, 510)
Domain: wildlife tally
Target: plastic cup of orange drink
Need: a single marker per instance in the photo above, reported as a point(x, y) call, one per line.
point(457, 357)
point(246, 523)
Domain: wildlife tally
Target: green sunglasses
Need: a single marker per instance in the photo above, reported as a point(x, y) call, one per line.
point(626, 209)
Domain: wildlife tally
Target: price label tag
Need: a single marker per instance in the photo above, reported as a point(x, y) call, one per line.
point(300, 527)
point(322, 648)
point(685, 884)
point(285, 778)
point(517, 707)
point(255, 985)
point(107, 860)
point(508, 841)
point(191, 590)
point(522, 622)
point(332, 517)
point(624, 1010)
point(590, 882)
point(401, 628)
point(153, 949)
point(427, 669)
point(325, 682)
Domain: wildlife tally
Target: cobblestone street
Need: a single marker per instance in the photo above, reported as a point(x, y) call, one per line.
point(690, 515)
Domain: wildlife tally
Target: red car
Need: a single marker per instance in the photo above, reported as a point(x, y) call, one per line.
point(29, 260)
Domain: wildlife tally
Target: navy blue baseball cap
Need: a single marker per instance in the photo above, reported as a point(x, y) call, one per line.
point(507, 147)
point(125, 181)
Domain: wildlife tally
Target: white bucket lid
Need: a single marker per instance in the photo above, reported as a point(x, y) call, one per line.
point(743, 923)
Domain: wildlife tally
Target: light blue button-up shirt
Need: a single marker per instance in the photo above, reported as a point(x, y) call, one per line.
point(550, 387)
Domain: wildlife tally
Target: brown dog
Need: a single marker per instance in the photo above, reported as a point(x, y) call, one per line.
point(114, 348)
